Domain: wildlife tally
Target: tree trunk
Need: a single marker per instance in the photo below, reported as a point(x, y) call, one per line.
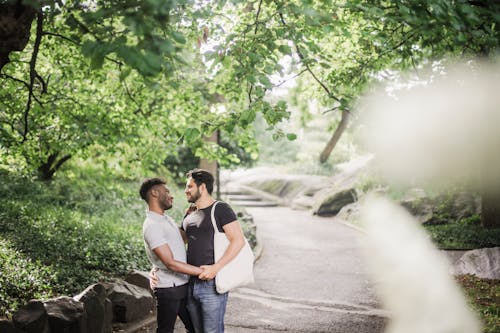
point(212, 166)
point(47, 170)
point(490, 216)
point(490, 193)
point(15, 25)
point(335, 137)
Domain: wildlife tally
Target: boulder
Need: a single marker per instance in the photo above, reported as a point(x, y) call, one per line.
point(32, 318)
point(422, 208)
point(139, 278)
point(331, 203)
point(302, 202)
point(66, 315)
point(129, 302)
point(7, 326)
point(97, 307)
point(483, 263)
point(350, 213)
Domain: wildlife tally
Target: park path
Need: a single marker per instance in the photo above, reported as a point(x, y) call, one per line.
point(310, 278)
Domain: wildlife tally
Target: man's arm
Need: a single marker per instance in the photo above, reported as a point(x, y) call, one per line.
point(183, 235)
point(165, 254)
point(236, 242)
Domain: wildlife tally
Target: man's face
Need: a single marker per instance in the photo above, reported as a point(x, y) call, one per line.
point(164, 198)
point(192, 191)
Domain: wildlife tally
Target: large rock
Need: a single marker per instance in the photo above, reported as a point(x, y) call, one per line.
point(98, 308)
point(350, 213)
point(483, 263)
point(129, 302)
point(32, 318)
point(331, 203)
point(66, 315)
point(8, 327)
point(139, 278)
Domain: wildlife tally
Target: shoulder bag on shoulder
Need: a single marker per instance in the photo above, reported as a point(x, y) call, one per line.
point(237, 272)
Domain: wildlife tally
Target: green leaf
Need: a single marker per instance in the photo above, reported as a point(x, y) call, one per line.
point(285, 49)
point(291, 136)
point(167, 46)
point(264, 80)
point(125, 73)
point(178, 37)
point(191, 134)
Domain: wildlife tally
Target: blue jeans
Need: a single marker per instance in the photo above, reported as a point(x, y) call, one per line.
point(206, 306)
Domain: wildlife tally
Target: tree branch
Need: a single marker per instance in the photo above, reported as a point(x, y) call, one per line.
point(291, 78)
point(46, 33)
point(257, 17)
point(36, 47)
point(308, 68)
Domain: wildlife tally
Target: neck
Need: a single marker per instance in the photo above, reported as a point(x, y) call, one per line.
point(156, 209)
point(204, 202)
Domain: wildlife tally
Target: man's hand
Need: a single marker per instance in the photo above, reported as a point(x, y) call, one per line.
point(153, 279)
point(209, 272)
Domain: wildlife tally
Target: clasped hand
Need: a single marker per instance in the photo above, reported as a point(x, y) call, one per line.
point(208, 273)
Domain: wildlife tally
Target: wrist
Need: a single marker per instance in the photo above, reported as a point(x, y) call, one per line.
point(217, 266)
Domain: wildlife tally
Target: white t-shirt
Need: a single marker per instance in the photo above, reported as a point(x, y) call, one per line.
point(158, 230)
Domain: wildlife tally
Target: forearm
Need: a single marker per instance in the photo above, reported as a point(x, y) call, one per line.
point(232, 251)
point(179, 266)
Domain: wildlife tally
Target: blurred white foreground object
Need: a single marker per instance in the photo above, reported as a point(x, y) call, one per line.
point(412, 277)
point(440, 132)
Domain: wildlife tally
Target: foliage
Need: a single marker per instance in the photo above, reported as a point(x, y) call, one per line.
point(464, 234)
point(483, 295)
point(152, 75)
point(62, 237)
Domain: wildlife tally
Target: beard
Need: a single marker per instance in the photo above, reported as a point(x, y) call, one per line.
point(165, 203)
point(194, 197)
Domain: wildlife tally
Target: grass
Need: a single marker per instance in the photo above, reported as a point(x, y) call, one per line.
point(484, 298)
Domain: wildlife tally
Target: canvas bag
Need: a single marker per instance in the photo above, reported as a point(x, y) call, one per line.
point(238, 271)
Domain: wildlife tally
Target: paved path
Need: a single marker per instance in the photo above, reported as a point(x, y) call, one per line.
point(310, 278)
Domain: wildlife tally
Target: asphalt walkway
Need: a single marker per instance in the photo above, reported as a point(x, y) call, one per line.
point(310, 278)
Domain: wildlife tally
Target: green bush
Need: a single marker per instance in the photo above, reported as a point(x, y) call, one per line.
point(464, 234)
point(60, 237)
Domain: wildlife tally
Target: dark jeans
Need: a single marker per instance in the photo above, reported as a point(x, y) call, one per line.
point(171, 302)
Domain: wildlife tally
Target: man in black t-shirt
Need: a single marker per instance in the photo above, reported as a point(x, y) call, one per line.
point(205, 305)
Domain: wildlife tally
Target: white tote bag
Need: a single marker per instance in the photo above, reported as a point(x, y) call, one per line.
point(237, 272)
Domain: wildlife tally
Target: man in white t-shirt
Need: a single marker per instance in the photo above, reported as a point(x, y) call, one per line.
point(167, 253)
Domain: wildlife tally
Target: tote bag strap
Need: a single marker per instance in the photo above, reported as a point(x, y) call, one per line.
point(212, 216)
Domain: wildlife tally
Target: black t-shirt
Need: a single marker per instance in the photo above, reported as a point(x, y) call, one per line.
point(200, 232)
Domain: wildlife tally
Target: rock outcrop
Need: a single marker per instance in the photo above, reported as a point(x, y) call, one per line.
point(92, 311)
point(483, 263)
point(32, 318)
point(130, 302)
point(66, 315)
point(98, 308)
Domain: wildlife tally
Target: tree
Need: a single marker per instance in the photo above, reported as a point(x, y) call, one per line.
point(184, 53)
point(140, 74)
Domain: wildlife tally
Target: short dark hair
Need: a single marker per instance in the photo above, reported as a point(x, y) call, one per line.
point(148, 184)
point(201, 176)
